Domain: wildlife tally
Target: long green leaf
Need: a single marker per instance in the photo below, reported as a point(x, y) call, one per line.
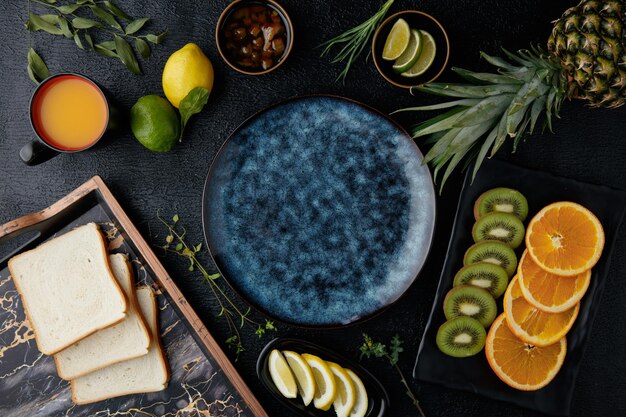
point(106, 17)
point(487, 109)
point(443, 124)
point(36, 22)
point(65, 27)
point(143, 48)
point(37, 69)
point(464, 102)
point(116, 10)
point(441, 145)
point(498, 62)
point(83, 23)
point(485, 77)
point(458, 157)
point(435, 119)
point(491, 137)
point(136, 25)
point(126, 54)
point(69, 8)
point(500, 137)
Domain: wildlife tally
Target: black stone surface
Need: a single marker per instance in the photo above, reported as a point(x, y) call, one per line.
point(589, 145)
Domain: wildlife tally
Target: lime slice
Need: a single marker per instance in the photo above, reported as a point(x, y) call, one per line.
point(426, 58)
point(304, 376)
point(411, 54)
point(281, 375)
point(397, 40)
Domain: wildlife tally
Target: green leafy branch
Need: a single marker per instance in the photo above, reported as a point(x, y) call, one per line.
point(175, 242)
point(353, 41)
point(370, 349)
point(105, 17)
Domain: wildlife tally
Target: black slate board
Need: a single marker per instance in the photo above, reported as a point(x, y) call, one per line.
point(474, 374)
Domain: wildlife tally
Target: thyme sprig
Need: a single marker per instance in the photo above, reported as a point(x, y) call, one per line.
point(80, 21)
point(370, 349)
point(236, 317)
point(354, 41)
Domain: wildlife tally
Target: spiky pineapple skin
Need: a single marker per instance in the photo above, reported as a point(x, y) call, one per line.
point(589, 40)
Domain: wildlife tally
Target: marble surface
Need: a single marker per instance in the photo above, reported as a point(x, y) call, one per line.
point(320, 211)
point(29, 385)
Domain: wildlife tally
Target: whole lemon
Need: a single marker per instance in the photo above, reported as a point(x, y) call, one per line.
point(186, 69)
point(154, 123)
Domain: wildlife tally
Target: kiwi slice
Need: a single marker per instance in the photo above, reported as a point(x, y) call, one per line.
point(492, 252)
point(469, 301)
point(490, 277)
point(461, 337)
point(506, 228)
point(502, 200)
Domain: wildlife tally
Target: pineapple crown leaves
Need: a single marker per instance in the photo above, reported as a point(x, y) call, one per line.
point(489, 108)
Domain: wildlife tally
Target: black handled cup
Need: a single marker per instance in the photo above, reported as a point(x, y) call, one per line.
point(43, 148)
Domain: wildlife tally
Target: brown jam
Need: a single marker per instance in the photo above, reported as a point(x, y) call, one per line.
point(254, 37)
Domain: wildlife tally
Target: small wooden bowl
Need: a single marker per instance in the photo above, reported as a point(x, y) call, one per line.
point(416, 20)
point(240, 3)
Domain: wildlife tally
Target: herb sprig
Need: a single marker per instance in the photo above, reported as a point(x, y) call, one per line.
point(354, 41)
point(237, 319)
point(370, 349)
point(104, 17)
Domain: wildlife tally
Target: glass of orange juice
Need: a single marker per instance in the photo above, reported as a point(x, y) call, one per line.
point(69, 113)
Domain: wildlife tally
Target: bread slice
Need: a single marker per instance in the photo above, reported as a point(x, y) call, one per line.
point(67, 288)
point(147, 373)
point(128, 339)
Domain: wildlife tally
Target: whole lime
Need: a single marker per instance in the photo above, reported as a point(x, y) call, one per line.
point(155, 123)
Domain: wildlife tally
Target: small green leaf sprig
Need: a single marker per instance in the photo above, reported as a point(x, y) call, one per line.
point(372, 349)
point(237, 319)
point(104, 17)
point(354, 40)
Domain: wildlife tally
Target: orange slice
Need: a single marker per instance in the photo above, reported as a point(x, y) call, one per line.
point(548, 292)
point(565, 238)
point(532, 325)
point(518, 364)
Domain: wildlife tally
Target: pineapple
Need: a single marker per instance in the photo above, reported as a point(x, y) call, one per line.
point(586, 60)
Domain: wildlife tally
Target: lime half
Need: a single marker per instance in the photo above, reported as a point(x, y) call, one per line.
point(397, 40)
point(426, 58)
point(411, 54)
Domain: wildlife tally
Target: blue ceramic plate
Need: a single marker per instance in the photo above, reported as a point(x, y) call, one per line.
point(319, 211)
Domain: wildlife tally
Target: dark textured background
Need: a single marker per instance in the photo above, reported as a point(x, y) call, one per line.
point(589, 145)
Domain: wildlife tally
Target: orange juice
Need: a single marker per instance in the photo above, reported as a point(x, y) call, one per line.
point(69, 112)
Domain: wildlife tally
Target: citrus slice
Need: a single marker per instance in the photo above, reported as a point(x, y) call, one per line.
point(325, 385)
point(548, 292)
point(345, 396)
point(411, 54)
point(281, 375)
point(426, 58)
point(532, 325)
point(304, 375)
point(520, 365)
point(397, 40)
point(361, 401)
point(565, 238)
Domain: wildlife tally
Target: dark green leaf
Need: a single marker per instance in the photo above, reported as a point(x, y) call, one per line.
point(69, 8)
point(88, 39)
point(136, 25)
point(126, 54)
point(104, 51)
point(156, 39)
point(116, 10)
point(53, 19)
point(82, 23)
point(143, 48)
point(37, 69)
point(85, 2)
point(110, 45)
point(193, 103)
point(77, 40)
point(106, 17)
point(49, 1)
point(65, 27)
point(36, 22)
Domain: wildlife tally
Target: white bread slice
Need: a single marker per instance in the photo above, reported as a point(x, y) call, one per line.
point(128, 339)
point(148, 373)
point(67, 288)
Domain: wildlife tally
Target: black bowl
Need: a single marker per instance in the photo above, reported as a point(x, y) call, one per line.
point(416, 20)
point(377, 396)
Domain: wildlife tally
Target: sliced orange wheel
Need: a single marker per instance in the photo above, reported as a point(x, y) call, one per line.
point(532, 325)
point(548, 292)
point(520, 365)
point(565, 239)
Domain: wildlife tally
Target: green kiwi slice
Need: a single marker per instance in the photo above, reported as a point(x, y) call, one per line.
point(493, 252)
point(490, 277)
point(461, 337)
point(506, 228)
point(502, 200)
point(469, 301)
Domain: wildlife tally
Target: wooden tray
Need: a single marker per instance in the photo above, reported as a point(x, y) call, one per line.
point(203, 381)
